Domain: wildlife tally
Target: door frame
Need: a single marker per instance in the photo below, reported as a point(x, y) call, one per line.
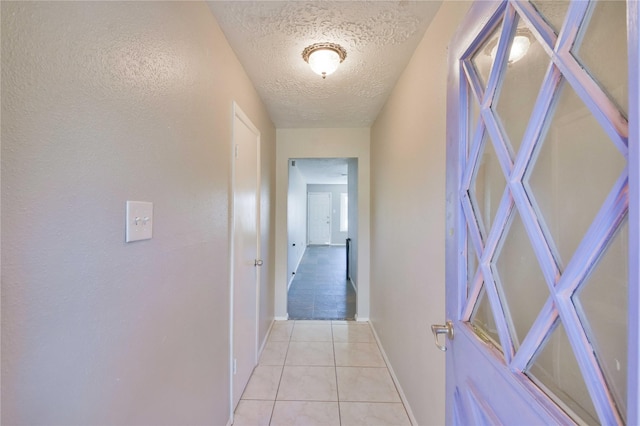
point(238, 113)
point(336, 143)
point(633, 373)
point(456, 240)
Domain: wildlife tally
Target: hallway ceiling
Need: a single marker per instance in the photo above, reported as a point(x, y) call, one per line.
point(323, 170)
point(268, 38)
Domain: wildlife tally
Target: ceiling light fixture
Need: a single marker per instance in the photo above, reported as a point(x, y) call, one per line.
point(519, 46)
point(324, 58)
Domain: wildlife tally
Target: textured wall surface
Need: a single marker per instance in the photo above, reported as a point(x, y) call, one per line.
point(269, 37)
point(408, 218)
point(101, 103)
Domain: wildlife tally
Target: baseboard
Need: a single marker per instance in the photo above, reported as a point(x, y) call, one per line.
point(281, 318)
point(393, 377)
point(361, 319)
point(262, 345)
point(266, 338)
point(296, 269)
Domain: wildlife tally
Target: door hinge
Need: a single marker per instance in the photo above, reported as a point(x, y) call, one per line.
point(236, 151)
point(235, 366)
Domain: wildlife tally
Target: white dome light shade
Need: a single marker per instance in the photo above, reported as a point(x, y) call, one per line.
point(519, 47)
point(324, 58)
point(324, 61)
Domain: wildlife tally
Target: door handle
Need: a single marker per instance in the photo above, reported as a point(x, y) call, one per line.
point(258, 262)
point(438, 329)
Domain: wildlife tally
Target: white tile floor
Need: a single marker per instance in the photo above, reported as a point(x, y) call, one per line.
point(321, 373)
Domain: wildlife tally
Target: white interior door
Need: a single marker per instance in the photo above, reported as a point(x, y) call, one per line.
point(541, 262)
point(319, 212)
point(246, 245)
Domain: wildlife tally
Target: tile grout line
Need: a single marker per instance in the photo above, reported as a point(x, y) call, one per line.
point(275, 398)
point(335, 370)
point(394, 378)
point(294, 325)
point(386, 366)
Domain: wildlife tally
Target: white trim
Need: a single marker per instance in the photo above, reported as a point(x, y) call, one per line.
point(237, 112)
point(266, 339)
point(292, 277)
point(405, 402)
point(296, 270)
point(232, 227)
point(281, 318)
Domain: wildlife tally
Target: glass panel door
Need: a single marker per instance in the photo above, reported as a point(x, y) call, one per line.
point(544, 193)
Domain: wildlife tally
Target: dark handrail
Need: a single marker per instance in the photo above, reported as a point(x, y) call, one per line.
point(348, 247)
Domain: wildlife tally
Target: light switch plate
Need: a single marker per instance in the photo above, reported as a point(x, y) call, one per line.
point(139, 221)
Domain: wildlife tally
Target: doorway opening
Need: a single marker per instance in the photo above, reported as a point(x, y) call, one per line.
point(322, 238)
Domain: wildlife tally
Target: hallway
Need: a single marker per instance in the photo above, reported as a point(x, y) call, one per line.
point(98, 115)
point(321, 373)
point(320, 290)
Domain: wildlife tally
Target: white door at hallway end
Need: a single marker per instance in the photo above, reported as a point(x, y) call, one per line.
point(319, 218)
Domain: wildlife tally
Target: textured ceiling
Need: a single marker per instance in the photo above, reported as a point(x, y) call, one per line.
point(269, 36)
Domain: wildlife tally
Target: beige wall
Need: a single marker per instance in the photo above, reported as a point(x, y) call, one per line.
point(408, 217)
point(103, 103)
point(322, 143)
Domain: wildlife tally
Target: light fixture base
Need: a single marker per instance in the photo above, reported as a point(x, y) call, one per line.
point(327, 65)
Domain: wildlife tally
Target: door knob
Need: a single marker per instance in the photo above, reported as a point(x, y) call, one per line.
point(258, 262)
point(438, 329)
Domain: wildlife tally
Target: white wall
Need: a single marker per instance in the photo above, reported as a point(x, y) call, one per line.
point(297, 220)
point(104, 102)
point(322, 143)
point(352, 185)
point(408, 217)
